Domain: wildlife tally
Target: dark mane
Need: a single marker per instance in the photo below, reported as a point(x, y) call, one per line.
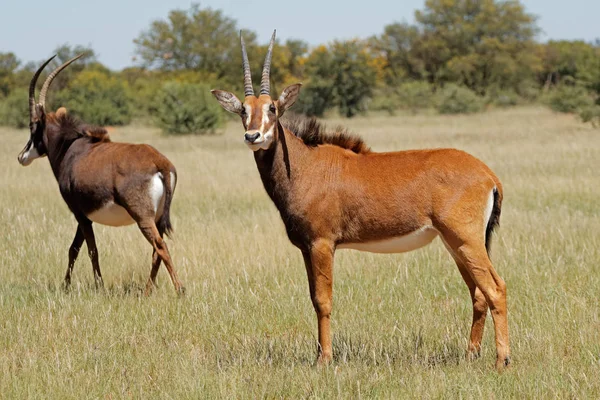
point(314, 133)
point(72, 128)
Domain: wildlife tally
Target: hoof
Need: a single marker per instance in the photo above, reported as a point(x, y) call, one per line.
point(324, 360)
point(473, 355)
point(503, 364)
point(181, 291)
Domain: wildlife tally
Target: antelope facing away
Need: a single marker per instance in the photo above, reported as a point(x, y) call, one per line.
point(333, 192)
point(109, 183)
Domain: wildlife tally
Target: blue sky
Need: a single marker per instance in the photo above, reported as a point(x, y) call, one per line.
point(32, 29)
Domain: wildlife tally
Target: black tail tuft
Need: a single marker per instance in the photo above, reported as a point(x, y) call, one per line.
point(164, 222)
point(494, 220)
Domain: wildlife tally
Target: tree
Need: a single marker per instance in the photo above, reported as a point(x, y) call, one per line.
point(195, 39)
point(342, 75)
point(8, 65)
point(476, 43)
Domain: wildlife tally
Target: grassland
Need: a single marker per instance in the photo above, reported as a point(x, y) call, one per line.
point(246, 328)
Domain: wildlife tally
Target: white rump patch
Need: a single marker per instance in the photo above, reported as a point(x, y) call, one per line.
point(111, 214)
point(401, 244)
point(487, 213)
point(157, 193)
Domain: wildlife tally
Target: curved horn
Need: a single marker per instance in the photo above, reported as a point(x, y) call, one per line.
point(265, 83)
point(32, 87)
point(248, 90)
point(51, 77)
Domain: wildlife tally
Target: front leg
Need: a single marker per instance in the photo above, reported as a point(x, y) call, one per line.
point(90, 240)
point(73, 252)
point(319, 268)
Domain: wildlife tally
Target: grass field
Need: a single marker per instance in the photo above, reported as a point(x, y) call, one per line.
point(246, 328)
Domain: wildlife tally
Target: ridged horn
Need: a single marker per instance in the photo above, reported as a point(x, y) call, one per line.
point(248, 90)
point(32, 87)
point(265, 83)
point(51, 77)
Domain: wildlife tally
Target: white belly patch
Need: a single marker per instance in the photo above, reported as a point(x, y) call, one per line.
point(111, 214)
point(400, 244)
point(114, 215)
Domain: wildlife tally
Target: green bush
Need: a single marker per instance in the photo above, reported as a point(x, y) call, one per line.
point(568, 98)
point(415, 95)
point(315, 98)
point(454, 99)
point(591, 114)
point(14, 110)
point(503, 98)
point(182, 108)
point(97, 97)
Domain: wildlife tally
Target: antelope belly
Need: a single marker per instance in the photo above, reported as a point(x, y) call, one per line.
point(400, 244)
point(111, 214)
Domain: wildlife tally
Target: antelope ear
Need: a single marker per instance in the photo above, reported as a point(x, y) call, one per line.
point(288, 97)
point(61, 112)
point(228, 101)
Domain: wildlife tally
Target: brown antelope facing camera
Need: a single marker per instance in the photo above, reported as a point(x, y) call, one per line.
point(101, 181)
point(333, 193)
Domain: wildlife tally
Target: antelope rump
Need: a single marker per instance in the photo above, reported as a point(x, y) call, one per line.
point(101, 181)
point(333, 192)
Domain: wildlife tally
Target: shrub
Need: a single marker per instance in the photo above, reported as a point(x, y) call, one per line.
point(415, 95)
point(186, 108)
point(591, 114)
point(568, 98)
point(453, 99)
point(503, 98)
point(97, 98)
point(14, 110)
point(315, 98)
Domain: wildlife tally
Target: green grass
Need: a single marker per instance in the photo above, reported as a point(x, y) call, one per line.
point(246, 328)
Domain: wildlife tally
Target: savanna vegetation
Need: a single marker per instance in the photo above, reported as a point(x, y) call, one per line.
point(457, 57)
point(246, 327)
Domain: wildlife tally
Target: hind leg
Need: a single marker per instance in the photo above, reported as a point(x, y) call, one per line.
point(477, 269)
point(150, 232)
point(480, 309)
point(156, 260)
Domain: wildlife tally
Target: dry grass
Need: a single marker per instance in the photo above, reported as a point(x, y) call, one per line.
point(246, 328)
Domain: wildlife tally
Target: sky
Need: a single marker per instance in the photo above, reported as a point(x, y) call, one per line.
point(33, 29)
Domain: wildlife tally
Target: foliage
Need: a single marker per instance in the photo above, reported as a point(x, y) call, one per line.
point(472, 43)
point(591, 113)
point(195, 39)
point(342, 75)
point(14, 111)
point(186, 108)
point(97, 97)
point(454, 99)
point(568, 98)
point(8, 66)
point(503, 98)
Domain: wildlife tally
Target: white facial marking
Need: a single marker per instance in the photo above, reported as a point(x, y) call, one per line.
point(265, 138)
point(28, 156)
point(401, 244)
point(248, 114)
point(487, 213)
point(111, 214)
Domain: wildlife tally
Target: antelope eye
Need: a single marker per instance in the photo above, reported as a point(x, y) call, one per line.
point(272, 108)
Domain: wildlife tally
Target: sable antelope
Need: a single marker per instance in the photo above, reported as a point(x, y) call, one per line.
point(333, 192)
point(101, 181)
